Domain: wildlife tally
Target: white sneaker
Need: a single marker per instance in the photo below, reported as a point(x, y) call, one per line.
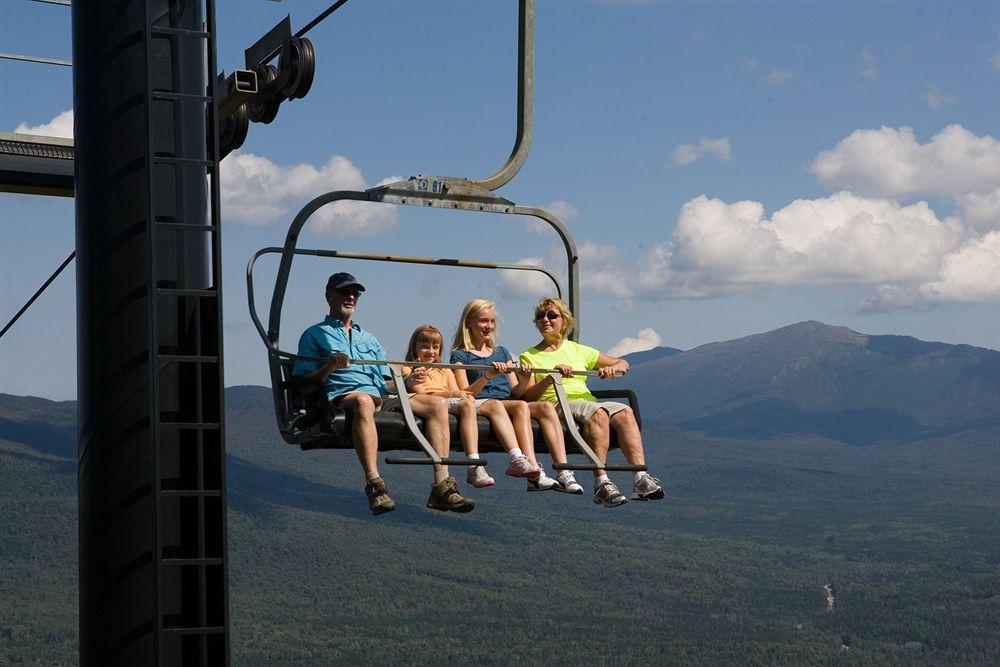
point(543, 483)
point(478, 477)
point(567, 483)
point(522, 467)
point(647, 487)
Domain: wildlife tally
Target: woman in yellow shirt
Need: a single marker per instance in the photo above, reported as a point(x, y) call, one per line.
point(554, 321)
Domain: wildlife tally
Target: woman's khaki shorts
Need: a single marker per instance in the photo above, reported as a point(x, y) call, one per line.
point(583, 410)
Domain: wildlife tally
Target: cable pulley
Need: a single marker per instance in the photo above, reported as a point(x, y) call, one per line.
point(297, 67)
point(264, 105)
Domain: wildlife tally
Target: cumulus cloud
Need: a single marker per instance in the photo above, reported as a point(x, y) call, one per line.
point(865, 235)
point(517, 284)
point(687, 153)
point(971, 273)
point(646, 339)
point(980, 209)
point(257, 191)
point(601, 274)
point(778, 77)
point(721, 248)
point(936, 99)
point(890, 162)
point(60, 126)
point(868, 69)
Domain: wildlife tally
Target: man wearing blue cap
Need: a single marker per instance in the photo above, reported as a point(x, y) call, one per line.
point(361, 389)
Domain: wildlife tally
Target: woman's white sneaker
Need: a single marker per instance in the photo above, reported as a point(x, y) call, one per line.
point(567, 483)
point(647, 487)
point(543, 483)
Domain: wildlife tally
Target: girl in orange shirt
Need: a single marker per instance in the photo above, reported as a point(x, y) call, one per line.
point(425, 345)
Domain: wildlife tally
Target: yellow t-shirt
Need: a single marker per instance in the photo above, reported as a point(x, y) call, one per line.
point(576, 356)
point(437, 380)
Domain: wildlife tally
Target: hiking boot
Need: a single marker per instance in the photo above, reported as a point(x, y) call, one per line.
point(522, 467)
point(479, 478)
point(543, 483)
point(566, 483)
point(379, 501)
point(444, 497)
point(607, 494)
point(647, 487)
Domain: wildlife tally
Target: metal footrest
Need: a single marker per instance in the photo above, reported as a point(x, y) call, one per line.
point(590, 466)
point(424, 460)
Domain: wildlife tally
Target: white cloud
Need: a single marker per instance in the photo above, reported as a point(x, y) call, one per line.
point(751, 64)
point(588, 251)
point(980, 209)
point(936, 99)
point(868, 68)
point(778, 77)
point(995, 60)
point(906, 253)
point(646, 339)
point(687, 153)
point(971, 273)
point(891, 163)
point(515, 284)
point(256, 191)
point(60, 126)
point(721, 248)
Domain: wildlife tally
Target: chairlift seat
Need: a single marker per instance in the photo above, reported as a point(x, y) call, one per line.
point(312, 423)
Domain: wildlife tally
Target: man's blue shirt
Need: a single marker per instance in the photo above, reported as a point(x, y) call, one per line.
point(329, 336)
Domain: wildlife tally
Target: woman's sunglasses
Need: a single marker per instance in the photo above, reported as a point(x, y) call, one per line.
point(548, 314)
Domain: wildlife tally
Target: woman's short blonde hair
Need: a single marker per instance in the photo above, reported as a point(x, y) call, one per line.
point(463, 338)
point(560, 305)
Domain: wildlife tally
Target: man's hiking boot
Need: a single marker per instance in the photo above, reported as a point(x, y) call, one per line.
point(647, 487)
point(444, 497)
point(379, 501)
point(607, 494)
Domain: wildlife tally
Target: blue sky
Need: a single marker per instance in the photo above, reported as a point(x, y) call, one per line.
point(725, 168)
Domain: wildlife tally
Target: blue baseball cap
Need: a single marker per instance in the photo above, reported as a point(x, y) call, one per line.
point(342, 280)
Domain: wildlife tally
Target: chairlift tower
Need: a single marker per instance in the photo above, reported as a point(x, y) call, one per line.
point(153, 563)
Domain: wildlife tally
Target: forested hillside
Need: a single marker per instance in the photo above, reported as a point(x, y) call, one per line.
point(765, 550)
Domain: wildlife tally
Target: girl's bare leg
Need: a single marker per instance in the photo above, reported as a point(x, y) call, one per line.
point(468, 427)
point(502, 426)
point(548, 419)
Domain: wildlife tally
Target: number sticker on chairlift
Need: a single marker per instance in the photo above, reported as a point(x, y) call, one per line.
point(433, 185)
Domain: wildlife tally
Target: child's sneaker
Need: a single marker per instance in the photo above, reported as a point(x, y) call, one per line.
point(522, 467)
point(567, 483)
point(647, 487)
point(543, 483)
point(479, 478)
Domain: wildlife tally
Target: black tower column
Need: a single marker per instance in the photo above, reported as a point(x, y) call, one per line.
point(153, 564)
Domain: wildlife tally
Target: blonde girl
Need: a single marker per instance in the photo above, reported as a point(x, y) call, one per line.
point(475, 344)
point(425, 345)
